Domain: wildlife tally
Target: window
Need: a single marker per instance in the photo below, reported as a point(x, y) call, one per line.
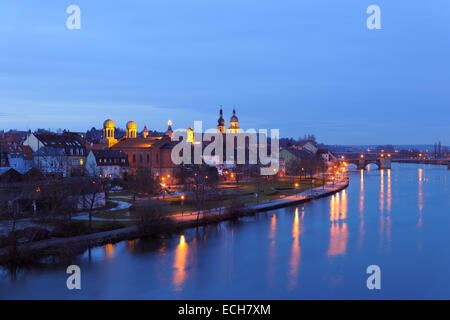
point(134, 158)
point(148, 158)
point(140, 158)
point(157, 158)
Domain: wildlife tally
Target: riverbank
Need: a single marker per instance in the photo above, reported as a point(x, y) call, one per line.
point(73, 245)
point(441, 162)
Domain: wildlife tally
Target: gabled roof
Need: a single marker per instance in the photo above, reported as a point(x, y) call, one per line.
point(110, 157)
point(16, 149)
point(302, 154)
point(50, 151)
point(66, 140)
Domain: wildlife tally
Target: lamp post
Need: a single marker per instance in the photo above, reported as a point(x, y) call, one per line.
point(182, 204)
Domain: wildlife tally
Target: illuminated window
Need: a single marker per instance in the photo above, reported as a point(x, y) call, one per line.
point(81, 162)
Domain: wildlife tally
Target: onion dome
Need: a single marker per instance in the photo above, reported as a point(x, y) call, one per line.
point(108, 124)
point(131, 125)
point(221, 121)
point(233, 117)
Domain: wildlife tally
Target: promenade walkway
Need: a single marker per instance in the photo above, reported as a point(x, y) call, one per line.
point(307, 195)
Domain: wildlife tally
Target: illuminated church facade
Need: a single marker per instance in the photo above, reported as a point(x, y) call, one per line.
point(151, 155)
point(234, 123)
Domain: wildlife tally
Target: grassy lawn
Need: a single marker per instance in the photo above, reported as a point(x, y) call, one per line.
point(234, 193)
point(106, 225)
point(114, 214)
point(120, 199)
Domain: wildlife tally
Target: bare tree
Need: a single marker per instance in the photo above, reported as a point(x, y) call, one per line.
point(141, 181)
point(294, 166)
point(205, 178)
point(153, 217)
point(92, 192)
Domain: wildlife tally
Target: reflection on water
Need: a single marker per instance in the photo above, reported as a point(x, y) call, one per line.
point(338, 239)
point(131, 245)
point(295, 251)
point(318, 250)
point(361, 210)
point(344, 205)
point(389, 193)
point(181, 254)
point(272, 250)
point(420, 207)
point(338, 228)
point(382, 191)
point(385, 203)
point(109, 250)
point(420, 199)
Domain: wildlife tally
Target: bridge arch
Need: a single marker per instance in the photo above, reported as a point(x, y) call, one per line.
point(369, 162)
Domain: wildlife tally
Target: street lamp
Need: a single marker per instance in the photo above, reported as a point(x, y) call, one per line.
point(182, 204)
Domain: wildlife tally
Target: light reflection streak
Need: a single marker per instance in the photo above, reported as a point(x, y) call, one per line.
point(109, 251)
point(295, 251)
point(389, 194)
point(344, 205)
point(381, 204)
point(388, 208)
point(361, 193)
point(382, 191)
point(181, 253)
point(338, 229)
point(272, 249)
point(131, 245)
point(361, 210)
point(420, 199)
point(338, 239)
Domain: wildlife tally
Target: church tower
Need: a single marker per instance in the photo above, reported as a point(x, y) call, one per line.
point(145, 132)
point(131, 129)
point(190, 135)
point(234, 123)
point(221, 122)
point(169, 131)
point(108, 132)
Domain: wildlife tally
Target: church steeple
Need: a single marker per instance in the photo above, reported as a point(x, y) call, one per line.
point(169, 131)
point(234, 123)
point(221, 122)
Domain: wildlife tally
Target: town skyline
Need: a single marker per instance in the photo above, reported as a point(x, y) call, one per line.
point(328, 74)
point(161, 127)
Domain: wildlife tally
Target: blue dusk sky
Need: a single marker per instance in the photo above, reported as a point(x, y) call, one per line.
point(308, 66)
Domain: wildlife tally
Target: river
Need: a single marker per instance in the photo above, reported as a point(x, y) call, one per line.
point(397, 219)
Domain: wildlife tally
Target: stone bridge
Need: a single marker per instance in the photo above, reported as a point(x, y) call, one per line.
point(362, 162)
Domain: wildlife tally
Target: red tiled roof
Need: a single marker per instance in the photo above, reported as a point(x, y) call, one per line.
point(14, 148)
